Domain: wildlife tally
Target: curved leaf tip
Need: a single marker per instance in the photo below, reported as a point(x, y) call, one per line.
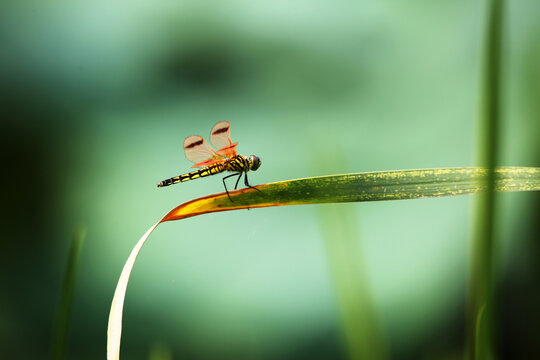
point(114, 331)
point(370, 186)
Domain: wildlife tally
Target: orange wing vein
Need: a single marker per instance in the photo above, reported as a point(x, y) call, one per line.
point(220, 137)
point(200, 152)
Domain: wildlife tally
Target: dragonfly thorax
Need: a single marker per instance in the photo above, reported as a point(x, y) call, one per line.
point(241, 164)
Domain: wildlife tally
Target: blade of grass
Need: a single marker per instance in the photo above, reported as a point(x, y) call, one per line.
point(160, 351)
point(373, 186)
point(65, 304)
point(114, 330)
point(478, 330)
point(369, 186)
point(481, 328)
point(360, 325)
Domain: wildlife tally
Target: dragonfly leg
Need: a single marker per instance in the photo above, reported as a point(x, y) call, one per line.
point(247, 183)
point(226, 177)
point(237, 181)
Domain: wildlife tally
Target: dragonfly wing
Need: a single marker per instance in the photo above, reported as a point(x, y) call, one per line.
point(220, 136)
point(209, 162)
point(228, 151)
point(199, 151)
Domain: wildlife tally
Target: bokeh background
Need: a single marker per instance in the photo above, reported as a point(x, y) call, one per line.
point(98, 96)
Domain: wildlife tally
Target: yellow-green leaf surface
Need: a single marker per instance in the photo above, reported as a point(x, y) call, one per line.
point(371, 186)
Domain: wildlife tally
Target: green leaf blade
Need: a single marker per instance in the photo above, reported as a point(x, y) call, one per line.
point(371, 186)
point(361, 187)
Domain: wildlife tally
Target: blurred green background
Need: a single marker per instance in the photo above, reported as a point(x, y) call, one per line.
point(98, 96)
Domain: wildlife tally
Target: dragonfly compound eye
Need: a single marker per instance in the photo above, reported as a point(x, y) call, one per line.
point(254, 162)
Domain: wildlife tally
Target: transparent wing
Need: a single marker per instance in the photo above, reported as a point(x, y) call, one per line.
point(220, 137)
point(200, 152)
point(228, 151)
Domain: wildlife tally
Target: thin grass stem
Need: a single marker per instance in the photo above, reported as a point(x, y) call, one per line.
point(63, 314)
point(480, 323)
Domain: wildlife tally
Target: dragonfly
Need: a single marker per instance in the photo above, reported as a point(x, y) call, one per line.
point(212, 162)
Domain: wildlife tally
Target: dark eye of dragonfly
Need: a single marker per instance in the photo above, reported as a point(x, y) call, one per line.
point(254, 162)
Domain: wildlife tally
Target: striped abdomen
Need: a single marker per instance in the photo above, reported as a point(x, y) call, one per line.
point(206, 171)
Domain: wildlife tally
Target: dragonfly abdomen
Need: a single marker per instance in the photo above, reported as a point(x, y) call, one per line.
point(206, 171)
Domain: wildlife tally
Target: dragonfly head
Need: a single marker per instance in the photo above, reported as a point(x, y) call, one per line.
point(254, 162)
